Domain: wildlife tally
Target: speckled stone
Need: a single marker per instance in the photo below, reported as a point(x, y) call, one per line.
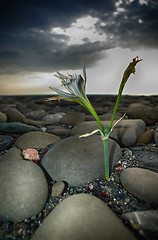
point(82, 217)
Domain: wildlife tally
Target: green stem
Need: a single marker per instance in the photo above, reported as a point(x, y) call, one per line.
point(106, 158)
point(130, 69)
point(115, 109)
point(93, 112)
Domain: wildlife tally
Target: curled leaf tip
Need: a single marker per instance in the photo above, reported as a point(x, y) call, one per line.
point(130, 69)
point(133, 64)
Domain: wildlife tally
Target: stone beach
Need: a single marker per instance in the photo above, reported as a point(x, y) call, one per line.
point(52, 182)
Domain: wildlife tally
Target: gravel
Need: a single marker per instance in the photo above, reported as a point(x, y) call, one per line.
point(111, 192)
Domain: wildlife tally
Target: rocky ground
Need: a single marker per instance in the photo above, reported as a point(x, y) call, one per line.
point(52, 182)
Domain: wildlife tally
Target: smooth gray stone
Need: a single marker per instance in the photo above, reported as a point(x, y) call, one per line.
point(16, 127)
point(24, 190)
point(142, 183)
point(144, 220)
point(36, 139)
point(138, 110)
point(73, 118)
point(12, 155)
point(126, 132)
point(82, 217)
point(5, 142)
point(79, 160)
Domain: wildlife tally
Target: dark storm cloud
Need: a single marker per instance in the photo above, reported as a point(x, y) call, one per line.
point(26, 43)
point(133, 25)
point(21, 15)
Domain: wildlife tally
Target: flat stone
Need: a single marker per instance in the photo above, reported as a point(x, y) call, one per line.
point(36, 139)
point(146, 137)
point(3, 117)
point(79, 160)
point(38, 123)
point(12, 155)
point(73, 118)
point(82, 217)
point(143, 220)
point(24, 190)
point(142, 183)
point(16, 116)
point(16, 127)
point(5, 142)
point(126, 132)
point(59, 130)
point(57, 189)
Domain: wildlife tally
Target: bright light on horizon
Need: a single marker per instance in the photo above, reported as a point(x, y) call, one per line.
point(103, 78)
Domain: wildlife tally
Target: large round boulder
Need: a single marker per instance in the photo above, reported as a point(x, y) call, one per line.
point(80, 160)
point(24, 190)
point(82, 217)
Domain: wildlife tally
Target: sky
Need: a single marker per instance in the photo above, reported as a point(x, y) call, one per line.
point(40, 37)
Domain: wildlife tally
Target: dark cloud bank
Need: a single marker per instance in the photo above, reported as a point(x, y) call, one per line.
point(27, 44)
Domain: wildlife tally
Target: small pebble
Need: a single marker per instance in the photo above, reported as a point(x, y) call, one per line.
point(31, 154)
point(57, 189)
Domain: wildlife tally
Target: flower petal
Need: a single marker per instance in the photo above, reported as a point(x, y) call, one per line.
point(64, 94)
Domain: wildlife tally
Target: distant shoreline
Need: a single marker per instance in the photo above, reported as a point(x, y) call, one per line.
point(89, 95)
